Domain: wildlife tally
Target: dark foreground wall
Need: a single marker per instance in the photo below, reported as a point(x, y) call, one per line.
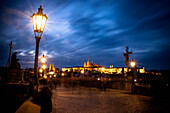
point(12, 96)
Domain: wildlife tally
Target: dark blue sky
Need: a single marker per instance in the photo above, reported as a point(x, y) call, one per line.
point(96, 29)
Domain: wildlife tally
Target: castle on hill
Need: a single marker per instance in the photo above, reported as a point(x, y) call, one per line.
point(90, 66)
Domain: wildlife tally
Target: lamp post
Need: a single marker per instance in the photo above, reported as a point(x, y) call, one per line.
point(134, 74)
point(39, 21)
point(9, 58)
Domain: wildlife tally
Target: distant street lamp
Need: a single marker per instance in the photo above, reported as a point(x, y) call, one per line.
point(39, 21)
point(43, 59)
point(44, 66)
point(134, 75)
point(133, 64)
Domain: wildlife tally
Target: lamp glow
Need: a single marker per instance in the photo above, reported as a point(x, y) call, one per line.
point(39, 21)
point(43, 59)
point(62, 74)
point(103, 69)
point(43, 66)
point(40, 70)
point(132, 63)
point(82, 72)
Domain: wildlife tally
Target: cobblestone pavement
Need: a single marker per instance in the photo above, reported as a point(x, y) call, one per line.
point(93, 100)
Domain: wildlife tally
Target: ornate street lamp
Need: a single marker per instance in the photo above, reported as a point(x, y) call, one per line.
point(39, 21)
point(134, 75)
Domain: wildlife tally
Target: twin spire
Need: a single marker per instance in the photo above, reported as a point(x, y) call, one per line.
point(90, 64)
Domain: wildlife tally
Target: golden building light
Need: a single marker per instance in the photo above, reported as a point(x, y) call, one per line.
point(43, 59)
point(103, 69)
point(132, 63)
point(51, 72)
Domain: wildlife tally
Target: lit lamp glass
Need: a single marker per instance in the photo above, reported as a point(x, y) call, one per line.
point(43, 59)
point(132, 63)
point(39, 21)
point(43, 66)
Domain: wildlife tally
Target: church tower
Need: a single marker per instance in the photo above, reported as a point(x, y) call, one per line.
point(85, 65)
point(88, 63)
point(53, 68)
point(50, 68)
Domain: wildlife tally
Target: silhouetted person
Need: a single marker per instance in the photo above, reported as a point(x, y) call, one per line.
point(45, 100)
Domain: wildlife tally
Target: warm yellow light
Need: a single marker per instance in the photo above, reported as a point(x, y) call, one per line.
point(43, 66)
point(40, 70)
point(43, 59)
point(43, 23)
point(51, 72)
point(103, 69)
point(45, 76)
point(82, 71)
point(132, 63)
point(62, 74)
point(50, 76)
point(54, 75)
point(141, 71)
point(39, 20)
point(34, 22)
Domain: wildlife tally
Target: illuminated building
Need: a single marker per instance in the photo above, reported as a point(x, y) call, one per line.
point(51, 69)
point(95, 67)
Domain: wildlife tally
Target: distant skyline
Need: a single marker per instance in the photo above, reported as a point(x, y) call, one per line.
point(96, 29)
